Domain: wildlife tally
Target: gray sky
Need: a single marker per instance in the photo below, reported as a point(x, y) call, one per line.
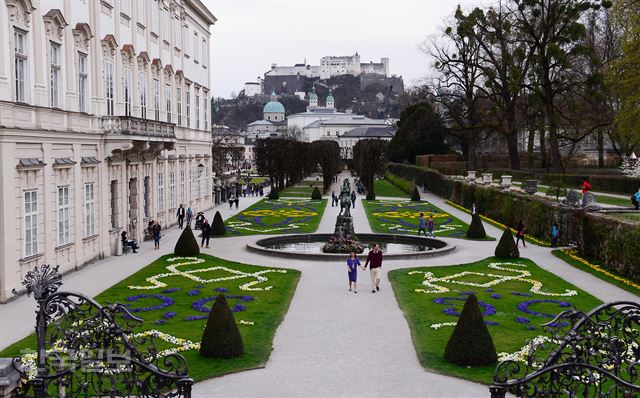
point(250, 35)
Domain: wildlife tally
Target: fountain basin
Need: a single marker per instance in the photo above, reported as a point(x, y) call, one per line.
point(309, 246)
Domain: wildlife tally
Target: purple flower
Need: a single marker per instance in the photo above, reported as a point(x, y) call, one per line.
point(168, 315)
point(200, 304)
point(195, 317)
point(221, 290)
point(496, 295)
point(521, 294)
point(238, 308)
point(171, 290)
point(489, 290)
point(467, 293)
point(246, 299)
point(531, 328)
point(193, 292)
point(491, 323)
point(522, 319)
point(439, 300)
point(524, 307)
point(451, 311)
point(160, 322)
point(488, 308)
point(166, 301)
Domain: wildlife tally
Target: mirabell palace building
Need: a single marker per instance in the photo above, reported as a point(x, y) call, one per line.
point(104, 126)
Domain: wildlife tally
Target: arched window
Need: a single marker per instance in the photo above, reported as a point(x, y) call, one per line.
point(81, 36)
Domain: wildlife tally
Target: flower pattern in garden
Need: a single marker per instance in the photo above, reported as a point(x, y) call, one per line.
point(275, 216)
point(401, 216)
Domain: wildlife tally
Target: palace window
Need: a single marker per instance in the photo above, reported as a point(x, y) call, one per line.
point(89, 210)
point(167, 96)
point(113, 202)
point(56, 75)
point(146, 197)
point(172, 190)
point(154, 16)
point(156, 98)
point(196, 47)
point(182, 191)
point(108, 85)
point(188, 98)
point(142, 12)
point(204, 111)
point(166, 29)
point(142, 87)
point(204, 53)
point(30, 223)
point(82, 82)
point(126, 82)
point(197, 111)
point(160, 192)
point(21, 66)
point(179, 105)
point(63, 216)
point(177, 30)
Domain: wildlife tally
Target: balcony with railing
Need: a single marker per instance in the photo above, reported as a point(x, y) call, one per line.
point(133, 126)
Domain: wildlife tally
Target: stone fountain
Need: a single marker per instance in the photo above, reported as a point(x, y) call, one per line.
point(344, 239)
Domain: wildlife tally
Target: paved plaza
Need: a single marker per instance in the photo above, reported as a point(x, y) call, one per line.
point(332, 343)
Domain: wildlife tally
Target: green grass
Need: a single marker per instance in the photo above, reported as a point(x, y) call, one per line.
point(604, 277)
point(508, 336)
point(301, 190)
point(385, 188)
point(282, 216)
point(266, 311)
point(401, 217)
point(626, 216)
point(611, 200)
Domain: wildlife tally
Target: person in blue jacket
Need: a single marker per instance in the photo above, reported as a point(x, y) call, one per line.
point(353, 262)
point(635, 199)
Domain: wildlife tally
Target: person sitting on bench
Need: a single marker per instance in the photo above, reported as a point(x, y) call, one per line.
point(635, 199)
point(128, 242)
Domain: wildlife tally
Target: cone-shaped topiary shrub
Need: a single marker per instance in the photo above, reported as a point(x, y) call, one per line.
point(187, 245)
point(316, 195)
point(273, 194)
point(371, 195)
point(221, 337)
point(217, 227)
point(476, 229)
point(415, 196)
point(507, 246)
point(470, 343)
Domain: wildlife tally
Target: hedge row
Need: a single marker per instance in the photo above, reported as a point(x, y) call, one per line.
point(403, 184)
point(613, 243)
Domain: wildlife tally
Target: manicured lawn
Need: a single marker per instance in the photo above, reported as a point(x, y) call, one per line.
point(282, 216)
point(256, 303)
point(611, 200)
point(401, 217)
point(614, 278)
point(302, 189)
point(627, 216)
point(386, 189)
point(440, 301)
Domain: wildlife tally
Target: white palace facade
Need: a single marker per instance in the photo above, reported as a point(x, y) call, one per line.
point(104, 125)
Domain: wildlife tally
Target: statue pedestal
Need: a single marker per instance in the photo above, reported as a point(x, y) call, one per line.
point(344, 239)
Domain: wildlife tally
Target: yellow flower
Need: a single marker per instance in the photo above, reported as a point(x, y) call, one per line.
point(572, 254)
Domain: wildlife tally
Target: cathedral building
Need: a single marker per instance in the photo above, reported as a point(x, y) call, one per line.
point(104, 126)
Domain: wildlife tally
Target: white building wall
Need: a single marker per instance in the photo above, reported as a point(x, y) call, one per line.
point(127, 146)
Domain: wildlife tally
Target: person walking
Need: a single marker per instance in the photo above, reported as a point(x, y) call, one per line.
point(353, 262)
point(473, 209)
point(206, 232)
point(430, 225)
point(189, 216)
point(586, 187)
point(422, 225)
point(635, 200)
point(156, 228)
point(334, 199)
point(375, 259)
point(353, 199)
point(180, 214)
point(520, 234)
point(555, 234)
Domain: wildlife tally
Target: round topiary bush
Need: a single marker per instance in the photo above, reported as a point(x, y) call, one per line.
point(470, 343)
point(217, 227)
point(415, 196)
point(187, 245)
point(273, 194)
point(507, 246)
point(316, 195)
point(371, 195)
point(476, 229)
point(221, 337)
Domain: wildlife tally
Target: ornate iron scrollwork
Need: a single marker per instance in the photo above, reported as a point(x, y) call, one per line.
point(595, 354)
point(87, 350)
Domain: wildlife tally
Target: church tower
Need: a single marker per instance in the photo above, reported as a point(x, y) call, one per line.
point(330, 103)
point(313, 98)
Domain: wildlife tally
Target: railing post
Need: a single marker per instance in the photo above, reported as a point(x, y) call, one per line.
point(497, 392)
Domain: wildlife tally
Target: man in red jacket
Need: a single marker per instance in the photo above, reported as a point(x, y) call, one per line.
point(375, 258)
point(586, 187)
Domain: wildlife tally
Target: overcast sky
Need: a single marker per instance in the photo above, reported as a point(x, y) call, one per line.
point(250, 35)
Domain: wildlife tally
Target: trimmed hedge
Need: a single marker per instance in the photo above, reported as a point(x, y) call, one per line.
point(217, 226)
point(404, 185)
point(273, 194)
point(470, 343)
point(507, 248)
point(608, 241)
point(221, 337)
point(476, 229)
point(315, 194)
point(600, 183)
point(187, 245)
point(415, 196)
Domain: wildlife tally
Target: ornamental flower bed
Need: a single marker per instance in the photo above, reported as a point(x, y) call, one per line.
point(281, 216)
point(401, 217)
point(174, 296)
point(515, 297)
